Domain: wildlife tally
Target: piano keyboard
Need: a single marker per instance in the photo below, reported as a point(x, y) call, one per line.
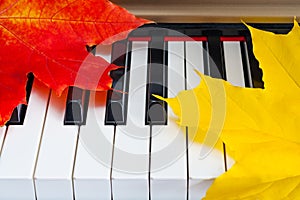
point(126, 144)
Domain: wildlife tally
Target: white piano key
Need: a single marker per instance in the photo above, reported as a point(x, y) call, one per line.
point(198, 188)
point(131, 149)
point(194, 56)
point(202, 169)
point(94, 153)
point(168, 170)
point(234, 72)
point(194, 60)
point(21, 146)
point(53, 175)
point(234, 63)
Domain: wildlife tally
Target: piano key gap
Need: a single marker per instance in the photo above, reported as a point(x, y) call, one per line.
point(185, 66)
point(187, 162)
point(186, 128)
point(2, 145)
point(74, 161)
point(39, 146)
point(112, 163)
point(149, 168)
point(225, 157)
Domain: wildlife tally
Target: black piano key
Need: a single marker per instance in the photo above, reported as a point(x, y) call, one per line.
point(115, 113)
point(156, 110)
point(215, 60)
point(18, 115)
point(118, 79)
point(91, 49)
point(116, 104)
point(157, 114)
point(76, 106)
point(206, 58)
point(256, 72)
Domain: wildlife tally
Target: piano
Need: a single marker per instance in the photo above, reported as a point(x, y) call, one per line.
point(125, 144)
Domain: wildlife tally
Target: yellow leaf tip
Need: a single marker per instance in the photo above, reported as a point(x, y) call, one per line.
point(295, 22)
point(247, 25)
point(199, 73)
point(244, 22)
point(159, 97)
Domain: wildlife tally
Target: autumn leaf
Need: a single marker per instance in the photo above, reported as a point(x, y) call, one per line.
point(260, 127)
point(49, 38)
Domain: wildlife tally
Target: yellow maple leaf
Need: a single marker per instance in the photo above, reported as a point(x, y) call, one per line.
point(260, 127)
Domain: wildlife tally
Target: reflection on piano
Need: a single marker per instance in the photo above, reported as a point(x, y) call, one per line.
point(126, 144)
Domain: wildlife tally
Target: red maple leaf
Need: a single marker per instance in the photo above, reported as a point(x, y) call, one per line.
point(49, 38)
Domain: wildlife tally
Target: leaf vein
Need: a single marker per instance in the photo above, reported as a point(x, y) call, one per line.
point(9, 7)
point(66, 20)
point(37, 50)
